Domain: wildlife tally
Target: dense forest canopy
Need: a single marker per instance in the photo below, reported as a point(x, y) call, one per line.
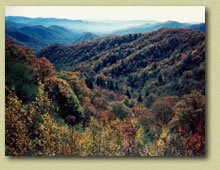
point(140, 94)
point(163, 62)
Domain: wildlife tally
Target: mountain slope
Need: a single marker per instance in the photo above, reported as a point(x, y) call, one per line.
point(38, 36)
point(53, 34)
point(16, 25)
point(85, 37)
point(23, 39)
point(152, 27)
point(163, 62)
point(200, 27)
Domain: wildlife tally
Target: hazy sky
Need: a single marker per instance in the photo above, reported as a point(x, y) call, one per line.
point(157, 13)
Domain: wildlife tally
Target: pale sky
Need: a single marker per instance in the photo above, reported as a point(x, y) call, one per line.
point(157, 13)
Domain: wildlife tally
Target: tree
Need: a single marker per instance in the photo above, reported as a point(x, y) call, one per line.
point(89, 83)
point(67, 102)
point(146, 93)
point(191, 110)
point(100, 81)
point(132, 133)
point(128, 93)
point(77, 84)
point(17, 142)
point(159, 78)
point(119, 110)
point(116, 86)
point(139, 98)
point(42, 68)
point(99, 100)
point(111, 85)
point(163, 108)
point(20, 77)
point(196, 145)
point(130, 102)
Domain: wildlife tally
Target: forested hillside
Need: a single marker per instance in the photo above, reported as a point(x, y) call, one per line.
point(122, 95)
point(163, 62)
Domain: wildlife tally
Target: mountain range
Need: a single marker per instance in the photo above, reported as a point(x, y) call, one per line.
point(155, 26)
point(38, 36)
point(37, 33)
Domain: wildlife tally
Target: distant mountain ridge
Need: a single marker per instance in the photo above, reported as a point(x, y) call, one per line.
point(86, 37)
point(37, 33)
point(38, 36)
point(168, 24)
point(77, 25)
point(101, 27)
point(200, 27)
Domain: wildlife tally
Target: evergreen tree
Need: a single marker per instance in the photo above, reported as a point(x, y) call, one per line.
point(116, 86)
point(160, 79)
point(128, 93)
point(111, 85)
point(146, 93)
point(89, 83)
point(139, 98)
point(100, 82)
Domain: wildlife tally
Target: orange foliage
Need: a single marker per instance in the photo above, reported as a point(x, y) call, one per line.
point(122, 97)
point(131, 44)
point(130, 58)
point(183, 56)
point(112, 95)
point(152, 65)
point(130, 127)
point(102, 76)
point(150, 46)
point(41, 66)
point(177, 64)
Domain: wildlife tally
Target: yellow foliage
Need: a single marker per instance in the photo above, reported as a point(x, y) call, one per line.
point(16, 132)
point(50, 138)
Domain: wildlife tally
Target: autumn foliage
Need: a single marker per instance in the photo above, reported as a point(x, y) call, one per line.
point(131, 95)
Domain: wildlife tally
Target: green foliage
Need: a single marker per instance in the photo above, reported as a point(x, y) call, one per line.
point(77, 85)
point(129, 102)
point(63, 93)
point(68, 102)
point(119, 110)
point(20, 77)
